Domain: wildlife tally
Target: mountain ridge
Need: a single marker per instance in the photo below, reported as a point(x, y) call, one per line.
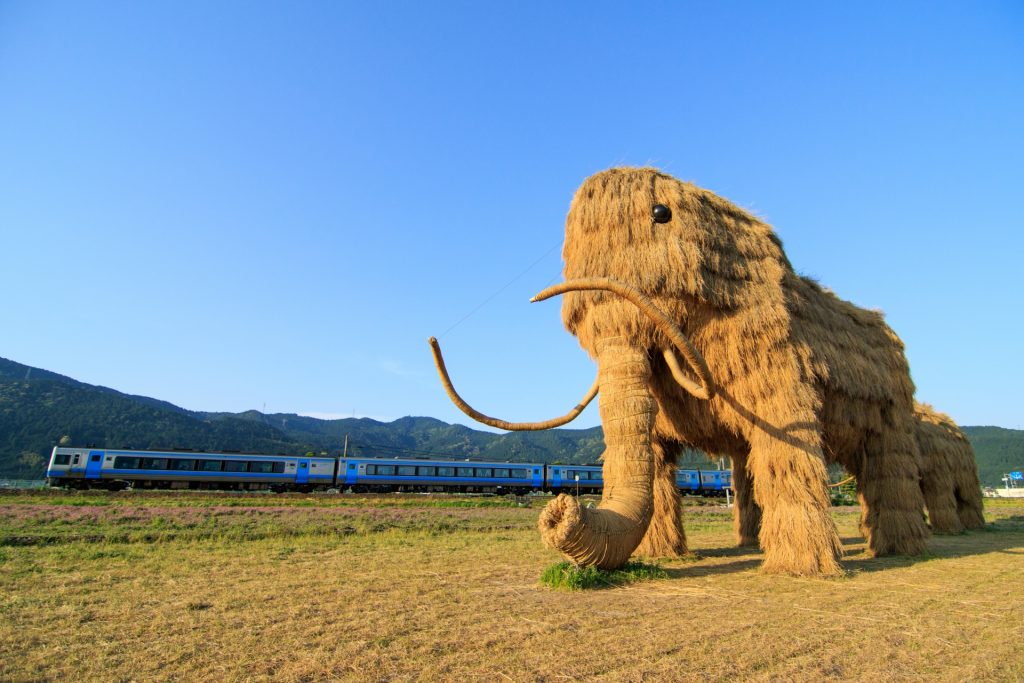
point(39, 408)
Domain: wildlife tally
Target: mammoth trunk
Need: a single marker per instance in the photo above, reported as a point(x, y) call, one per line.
point(607, 535)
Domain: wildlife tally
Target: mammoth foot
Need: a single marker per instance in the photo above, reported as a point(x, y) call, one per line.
point(800, 541)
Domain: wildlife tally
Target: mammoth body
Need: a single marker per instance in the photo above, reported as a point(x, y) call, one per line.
point(949, 480)
point(783, 377)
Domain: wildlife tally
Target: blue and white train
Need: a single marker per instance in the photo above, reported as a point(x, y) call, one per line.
point(119, 469)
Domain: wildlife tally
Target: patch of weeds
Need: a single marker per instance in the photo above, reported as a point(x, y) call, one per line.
point(571, 577)
point(198, 606)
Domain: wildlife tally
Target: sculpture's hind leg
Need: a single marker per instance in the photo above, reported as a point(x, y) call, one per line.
point(746, 511)
point(790, 484)
point(665, 536)
point(937, 489)
point(892, 507)
point(969, 505)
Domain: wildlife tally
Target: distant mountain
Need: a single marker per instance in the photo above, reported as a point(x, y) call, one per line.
point(39, 408)
point(998, 452)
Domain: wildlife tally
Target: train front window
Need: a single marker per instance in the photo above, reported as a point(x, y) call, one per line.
point(61, 459)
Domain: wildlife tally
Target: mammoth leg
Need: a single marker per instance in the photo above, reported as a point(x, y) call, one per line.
point(746, 511)
point(606, 536)
point(665, 536)
point(892, 518)
point(939, 498)
point(797, 532)
point(969, 505)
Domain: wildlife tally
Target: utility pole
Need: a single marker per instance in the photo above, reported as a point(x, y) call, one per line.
point(345, 452)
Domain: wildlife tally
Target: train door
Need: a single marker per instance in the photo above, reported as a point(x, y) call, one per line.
point(302, 474)
point(93, 465)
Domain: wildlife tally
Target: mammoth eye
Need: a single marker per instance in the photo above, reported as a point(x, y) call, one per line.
point(661, 213)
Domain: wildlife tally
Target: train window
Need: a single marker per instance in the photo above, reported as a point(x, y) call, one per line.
point(406, 471)
point(236, 466)
point(61, 459)
point(351, 465)
point(153, 463)
point(388, 470)
point(520, 474)
point(426, 471)
point(279, 467)
point(464, 471)
point(75, 460)
point(502, 473)
point(446, 471)
point(125, 463)
point(182, 465)
point(484, 471)
point(210, 465)
point(261, 466)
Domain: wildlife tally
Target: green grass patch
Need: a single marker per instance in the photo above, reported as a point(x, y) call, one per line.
point(570, 577)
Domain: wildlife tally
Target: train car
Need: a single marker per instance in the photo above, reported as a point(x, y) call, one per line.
point(562, 478)
point(715, 482)
point(688, 481)
point(117, 469)
point(422, 475)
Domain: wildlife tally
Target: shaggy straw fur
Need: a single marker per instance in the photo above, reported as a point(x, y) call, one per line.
point(949, 474)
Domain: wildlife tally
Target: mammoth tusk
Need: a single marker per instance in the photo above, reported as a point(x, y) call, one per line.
point(695, 388)
point(704, 388)
point(493, 421)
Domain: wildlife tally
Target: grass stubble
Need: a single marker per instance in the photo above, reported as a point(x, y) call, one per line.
point(186, 587)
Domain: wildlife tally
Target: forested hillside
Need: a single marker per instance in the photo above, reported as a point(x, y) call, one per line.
point(39, 409)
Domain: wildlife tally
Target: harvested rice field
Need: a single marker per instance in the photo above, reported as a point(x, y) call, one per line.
point(144, 586)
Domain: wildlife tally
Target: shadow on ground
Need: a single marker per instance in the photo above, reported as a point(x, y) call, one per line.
point(1004, 535)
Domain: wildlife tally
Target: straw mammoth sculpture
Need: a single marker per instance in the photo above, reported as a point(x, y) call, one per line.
point(704, 336)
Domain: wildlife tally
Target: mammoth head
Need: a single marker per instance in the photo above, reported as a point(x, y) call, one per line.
point(678, 244)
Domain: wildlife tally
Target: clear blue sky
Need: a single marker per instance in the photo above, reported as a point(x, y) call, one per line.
point(234, 205)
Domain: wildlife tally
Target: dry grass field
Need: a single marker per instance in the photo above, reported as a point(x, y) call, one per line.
point(204, 587)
